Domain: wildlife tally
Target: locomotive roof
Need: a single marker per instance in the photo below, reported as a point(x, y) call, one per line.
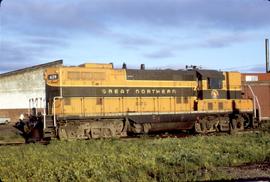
point(169, 74)
point(211, 74)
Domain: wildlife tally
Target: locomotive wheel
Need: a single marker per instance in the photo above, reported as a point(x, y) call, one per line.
point(62, 134)
point(92, 129)
point(103, 132)
point(200, 127)
point(237, 124)
point(207, 125)
point(240, 123)
point(197, 127)
point(203, 126)
point(224, 124)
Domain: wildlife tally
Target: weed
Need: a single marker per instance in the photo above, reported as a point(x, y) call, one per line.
point(194, 158)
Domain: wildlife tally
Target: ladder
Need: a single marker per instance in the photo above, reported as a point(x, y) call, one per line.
point(49, 128)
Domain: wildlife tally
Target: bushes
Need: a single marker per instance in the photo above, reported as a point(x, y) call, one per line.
point(193, 158)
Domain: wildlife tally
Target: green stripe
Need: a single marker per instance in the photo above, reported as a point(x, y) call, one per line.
point(127, 92)
point(222, 94)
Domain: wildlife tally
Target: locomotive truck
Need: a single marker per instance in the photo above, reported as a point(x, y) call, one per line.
point(99, 101)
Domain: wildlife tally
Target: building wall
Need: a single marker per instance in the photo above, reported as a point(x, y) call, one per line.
point(23, 89)
point(262, 91)
point(13, 114)
point(260, 84)
point(246, 77)
point(18, 92)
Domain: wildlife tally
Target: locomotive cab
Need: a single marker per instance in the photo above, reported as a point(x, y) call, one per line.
point(210, 84)
point(220, 93)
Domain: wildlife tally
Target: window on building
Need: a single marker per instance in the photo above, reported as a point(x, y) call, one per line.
point(251, 78)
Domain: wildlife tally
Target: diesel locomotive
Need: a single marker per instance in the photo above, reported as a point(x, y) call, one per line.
point(99, 101)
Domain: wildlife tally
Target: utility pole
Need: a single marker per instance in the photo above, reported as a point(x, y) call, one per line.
point(267, 55)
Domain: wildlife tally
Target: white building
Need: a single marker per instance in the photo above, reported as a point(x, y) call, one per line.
point(23, 89)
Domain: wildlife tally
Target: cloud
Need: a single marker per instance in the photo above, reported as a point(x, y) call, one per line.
point(50, 18)
point(225, 40)
point(52, 24)
point(47, 41)
point(100, 16)
point(210, 41)
point(160, 54)
point(228, 14)
point(134, 41)
point(258, 68)
point(15, 55)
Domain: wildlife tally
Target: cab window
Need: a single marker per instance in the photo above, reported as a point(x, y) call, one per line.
point(214, 83)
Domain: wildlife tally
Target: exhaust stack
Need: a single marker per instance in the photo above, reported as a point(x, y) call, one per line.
point(267, 55)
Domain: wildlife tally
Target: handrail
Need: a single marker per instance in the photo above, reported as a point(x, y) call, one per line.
point(259, 108)
point(44, 114)
point(54, 116)
point(255, 99)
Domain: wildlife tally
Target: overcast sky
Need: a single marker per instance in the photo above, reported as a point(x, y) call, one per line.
point(216, 34)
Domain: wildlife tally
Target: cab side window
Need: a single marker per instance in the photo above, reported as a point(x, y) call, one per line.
point(214, 83)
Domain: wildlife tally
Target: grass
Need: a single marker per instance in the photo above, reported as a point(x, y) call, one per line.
point(171, 159)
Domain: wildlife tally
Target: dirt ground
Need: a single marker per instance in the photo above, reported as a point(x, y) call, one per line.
point(9, 134)
point(249, 172)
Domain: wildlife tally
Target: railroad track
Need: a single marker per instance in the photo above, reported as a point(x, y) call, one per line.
point(150, 136)
point(11, 143)
point(22, 143)
point(185, 135)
